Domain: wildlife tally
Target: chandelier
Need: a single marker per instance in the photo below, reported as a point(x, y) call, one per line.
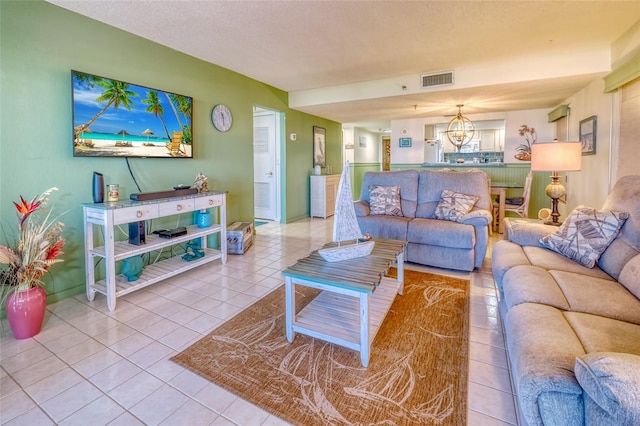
point(460, 130)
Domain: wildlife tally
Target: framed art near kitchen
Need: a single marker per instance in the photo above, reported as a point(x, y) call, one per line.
point(319, 147)
point(404, 143)
point(588, 128)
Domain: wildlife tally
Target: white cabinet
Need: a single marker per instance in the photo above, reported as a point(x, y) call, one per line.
point(491, 140)
point(323, 195)
point(485, 140)
point(430, 132)
point(108, 216)
point(447, 146)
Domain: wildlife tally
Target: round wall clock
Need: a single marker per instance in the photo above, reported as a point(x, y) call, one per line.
point(221, 117)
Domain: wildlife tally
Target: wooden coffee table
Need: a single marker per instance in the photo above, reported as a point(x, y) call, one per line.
point(356, 296)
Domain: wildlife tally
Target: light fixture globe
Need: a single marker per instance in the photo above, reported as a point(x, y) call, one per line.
point(460, 130)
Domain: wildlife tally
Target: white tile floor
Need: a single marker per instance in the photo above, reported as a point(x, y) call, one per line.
point(89, 366)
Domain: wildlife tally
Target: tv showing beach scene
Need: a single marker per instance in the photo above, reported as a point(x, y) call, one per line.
point(112, 118)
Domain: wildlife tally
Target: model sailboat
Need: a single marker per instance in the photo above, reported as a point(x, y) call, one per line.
point(345, 226)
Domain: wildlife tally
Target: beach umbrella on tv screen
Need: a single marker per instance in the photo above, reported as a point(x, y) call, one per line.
point(147, 132)
point(123, 133)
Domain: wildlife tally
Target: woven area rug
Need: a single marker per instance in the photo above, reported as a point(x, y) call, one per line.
point(417, 373)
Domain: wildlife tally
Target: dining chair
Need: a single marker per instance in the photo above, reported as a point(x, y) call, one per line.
point(519, 206)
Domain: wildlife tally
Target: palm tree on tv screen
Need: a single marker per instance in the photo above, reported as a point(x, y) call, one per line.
point(116, 93)
point(184, 107)
point(154, 107)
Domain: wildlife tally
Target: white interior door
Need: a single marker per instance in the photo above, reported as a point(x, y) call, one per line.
point(265, 170)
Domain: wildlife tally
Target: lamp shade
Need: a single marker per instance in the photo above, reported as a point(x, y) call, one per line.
point(556, 156)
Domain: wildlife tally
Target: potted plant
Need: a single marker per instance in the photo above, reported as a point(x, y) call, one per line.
point(37, 247)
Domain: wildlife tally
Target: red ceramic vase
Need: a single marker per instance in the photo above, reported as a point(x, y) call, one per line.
point(25, 312)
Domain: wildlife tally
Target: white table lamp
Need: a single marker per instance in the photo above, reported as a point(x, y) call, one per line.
point(556, 157)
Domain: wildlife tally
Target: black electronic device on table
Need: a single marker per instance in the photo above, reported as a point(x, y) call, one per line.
point(145, 196)
point(137, 233)
point(98, 188)
point(172, 233)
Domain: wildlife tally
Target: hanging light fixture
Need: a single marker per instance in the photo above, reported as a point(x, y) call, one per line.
point(460, 130)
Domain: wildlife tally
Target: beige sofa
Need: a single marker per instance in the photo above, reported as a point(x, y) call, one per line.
point(573, 332)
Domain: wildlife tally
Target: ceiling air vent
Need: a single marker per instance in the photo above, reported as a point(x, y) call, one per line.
point(436, 79)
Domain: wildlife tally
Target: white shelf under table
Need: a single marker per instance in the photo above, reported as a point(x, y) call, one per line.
point(157, 272)
point(335, 317)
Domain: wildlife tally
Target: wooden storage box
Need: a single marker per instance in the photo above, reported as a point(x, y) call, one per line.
point(239, 237)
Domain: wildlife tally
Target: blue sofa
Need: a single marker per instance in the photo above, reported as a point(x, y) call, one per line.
point(460, 245)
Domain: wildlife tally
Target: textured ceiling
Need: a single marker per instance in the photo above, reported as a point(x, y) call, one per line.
point(349, 60)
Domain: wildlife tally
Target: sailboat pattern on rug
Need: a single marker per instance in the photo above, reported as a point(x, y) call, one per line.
point(312, 382)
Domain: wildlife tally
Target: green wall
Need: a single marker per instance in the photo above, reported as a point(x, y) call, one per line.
point(357, 176)
point(40, 43)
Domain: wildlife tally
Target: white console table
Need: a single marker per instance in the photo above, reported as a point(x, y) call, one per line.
point(109, 215)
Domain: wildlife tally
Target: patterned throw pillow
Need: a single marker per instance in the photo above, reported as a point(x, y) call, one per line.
point(586, 234)
point(385, 200)
point(453, 205)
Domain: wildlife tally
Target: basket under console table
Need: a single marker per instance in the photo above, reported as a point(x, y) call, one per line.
point(109, 215)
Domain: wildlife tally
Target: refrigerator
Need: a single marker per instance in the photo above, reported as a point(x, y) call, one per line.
point(433, 151)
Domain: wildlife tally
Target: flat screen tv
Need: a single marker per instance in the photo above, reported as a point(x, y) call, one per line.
point(112, 118)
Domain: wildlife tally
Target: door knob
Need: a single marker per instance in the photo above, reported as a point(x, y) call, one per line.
point(269, 174)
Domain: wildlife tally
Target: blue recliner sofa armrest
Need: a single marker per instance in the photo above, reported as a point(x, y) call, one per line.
point(362, 208)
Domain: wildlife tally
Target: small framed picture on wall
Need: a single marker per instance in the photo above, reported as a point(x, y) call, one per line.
point(362, 141)
point(319, 146)
point(588, 130)
point(405, 143)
